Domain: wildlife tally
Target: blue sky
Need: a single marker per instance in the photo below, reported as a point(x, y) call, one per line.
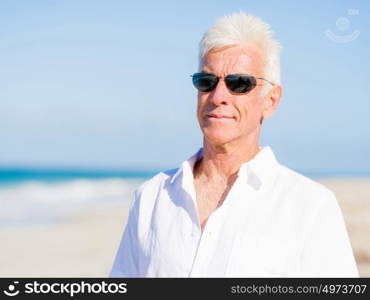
point(106, 83)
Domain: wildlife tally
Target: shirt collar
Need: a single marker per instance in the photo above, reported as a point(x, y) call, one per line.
point(257, 171)
point(260, 169)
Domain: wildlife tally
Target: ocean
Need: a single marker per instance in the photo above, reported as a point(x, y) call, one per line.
point(34, 197)
point(46, 196)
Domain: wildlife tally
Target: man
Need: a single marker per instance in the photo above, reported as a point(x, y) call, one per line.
point(232, 209)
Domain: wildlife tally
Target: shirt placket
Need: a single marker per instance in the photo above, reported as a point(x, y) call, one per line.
point(229, 215)
point(206, 242)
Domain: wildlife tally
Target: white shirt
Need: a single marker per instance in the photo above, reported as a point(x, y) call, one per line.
point(274, 222)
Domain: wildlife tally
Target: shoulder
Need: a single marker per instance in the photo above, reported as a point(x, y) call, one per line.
point(296, 180)
point(302, 188)
point(146, 193)
point(155, 183)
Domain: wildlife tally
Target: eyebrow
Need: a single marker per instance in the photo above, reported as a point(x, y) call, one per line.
point(203, 71)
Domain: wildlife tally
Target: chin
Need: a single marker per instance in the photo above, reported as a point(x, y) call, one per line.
point(218, 137)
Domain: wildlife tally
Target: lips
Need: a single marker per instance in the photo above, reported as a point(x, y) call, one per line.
point(219, 116)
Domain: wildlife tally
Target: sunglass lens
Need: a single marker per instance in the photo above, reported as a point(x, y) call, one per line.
point(240, 83)
point(204, 82)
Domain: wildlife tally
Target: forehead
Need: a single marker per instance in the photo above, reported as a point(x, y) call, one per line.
point(242, 59)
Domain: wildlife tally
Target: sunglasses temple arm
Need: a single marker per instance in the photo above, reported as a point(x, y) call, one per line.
point(266, 80)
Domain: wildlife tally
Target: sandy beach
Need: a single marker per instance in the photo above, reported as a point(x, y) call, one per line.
point(84, 245)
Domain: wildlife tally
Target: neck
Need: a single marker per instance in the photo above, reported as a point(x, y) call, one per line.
point(224, 161)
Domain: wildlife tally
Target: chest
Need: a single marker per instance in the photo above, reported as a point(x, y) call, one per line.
point(209, 196)
point(239, 240)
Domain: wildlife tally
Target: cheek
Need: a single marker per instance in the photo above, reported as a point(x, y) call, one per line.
point(250, 112)
point(200, 106)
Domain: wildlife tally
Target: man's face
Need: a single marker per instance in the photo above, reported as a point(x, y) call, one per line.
point(223, 115)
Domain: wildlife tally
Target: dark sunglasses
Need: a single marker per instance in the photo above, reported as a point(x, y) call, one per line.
point(237, 83)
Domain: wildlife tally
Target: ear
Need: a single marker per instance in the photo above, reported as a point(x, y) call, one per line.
point(271, 101)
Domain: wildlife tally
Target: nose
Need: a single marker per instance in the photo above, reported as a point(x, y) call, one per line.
point(220, 94)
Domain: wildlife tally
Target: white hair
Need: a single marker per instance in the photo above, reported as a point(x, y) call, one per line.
point(241, 28)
